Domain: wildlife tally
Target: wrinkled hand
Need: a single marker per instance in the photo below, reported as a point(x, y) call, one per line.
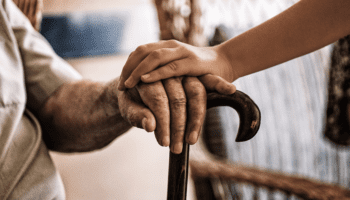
point(177, 109)
point(161, 60)
point(84, 116)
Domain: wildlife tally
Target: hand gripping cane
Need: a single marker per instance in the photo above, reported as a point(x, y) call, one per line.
point(249, 115)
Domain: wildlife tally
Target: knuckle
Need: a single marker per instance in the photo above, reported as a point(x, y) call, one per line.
point(173, 66)
point(194, 88)
point(131, 117)
point(156, 54)
point(196, 92)
point(178, 104)
point(173, 42)
point(141, 49)
point(133, 52)
point(182, 129)
point(177, 79)
point(179, 131)
point(123, 113)
point(197, 122)
point(173, 82)
point(159, 99)
point(178, 101)
point(182, 49)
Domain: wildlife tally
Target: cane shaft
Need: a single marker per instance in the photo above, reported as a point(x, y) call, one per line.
point(178, 174)
point(249, 115)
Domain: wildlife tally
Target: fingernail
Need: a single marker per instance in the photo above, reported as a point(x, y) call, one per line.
point(144, 122)
point(177, 148)
point(145, 77)
point(165, 142)
point(193, 137)
point(230, 89)
point(222, 88)
point(128, 83)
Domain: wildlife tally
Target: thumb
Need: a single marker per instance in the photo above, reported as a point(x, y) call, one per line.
point(136, 113)
point(216, 83)
point(142, 118)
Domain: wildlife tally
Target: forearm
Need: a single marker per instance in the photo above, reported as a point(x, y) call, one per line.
point(82, 116)
point(301, 29)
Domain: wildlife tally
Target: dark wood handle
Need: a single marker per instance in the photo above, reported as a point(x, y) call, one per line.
point(248, 111)
point(249, 115)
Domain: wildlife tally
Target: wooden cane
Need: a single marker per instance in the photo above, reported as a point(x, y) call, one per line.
point(249, 115)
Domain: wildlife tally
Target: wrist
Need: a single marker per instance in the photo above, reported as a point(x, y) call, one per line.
point(110, 94)
point(231, 66)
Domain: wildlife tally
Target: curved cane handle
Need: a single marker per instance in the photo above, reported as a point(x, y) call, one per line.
point(248, 111)
point(249, 115)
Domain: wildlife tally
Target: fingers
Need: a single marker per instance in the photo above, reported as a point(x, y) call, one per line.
point(136, 57)
point(172, 69)
point(216, 83)
point(155, 59)
point(155, 98)
point(196, 101)
point(177, 102)
point(134, 111)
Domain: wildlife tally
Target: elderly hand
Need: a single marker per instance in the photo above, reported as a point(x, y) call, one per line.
point(177, 108)
point(84, 116)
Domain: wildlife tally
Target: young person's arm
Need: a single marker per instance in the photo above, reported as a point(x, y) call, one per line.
point(305, 27)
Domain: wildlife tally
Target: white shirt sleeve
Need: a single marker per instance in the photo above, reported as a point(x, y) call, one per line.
point(44, 70)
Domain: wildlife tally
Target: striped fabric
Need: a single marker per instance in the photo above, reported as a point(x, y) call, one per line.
point(292, 98)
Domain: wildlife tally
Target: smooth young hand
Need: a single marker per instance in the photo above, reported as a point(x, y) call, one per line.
point(161, 60)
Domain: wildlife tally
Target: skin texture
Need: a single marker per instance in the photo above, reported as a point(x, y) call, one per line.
point(304, 27)
point(85, 116)
point(176, 59)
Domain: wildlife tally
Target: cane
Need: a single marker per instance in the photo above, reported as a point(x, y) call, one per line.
point(249, 115)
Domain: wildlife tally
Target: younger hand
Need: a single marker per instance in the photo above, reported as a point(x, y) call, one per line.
point(161, 60)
